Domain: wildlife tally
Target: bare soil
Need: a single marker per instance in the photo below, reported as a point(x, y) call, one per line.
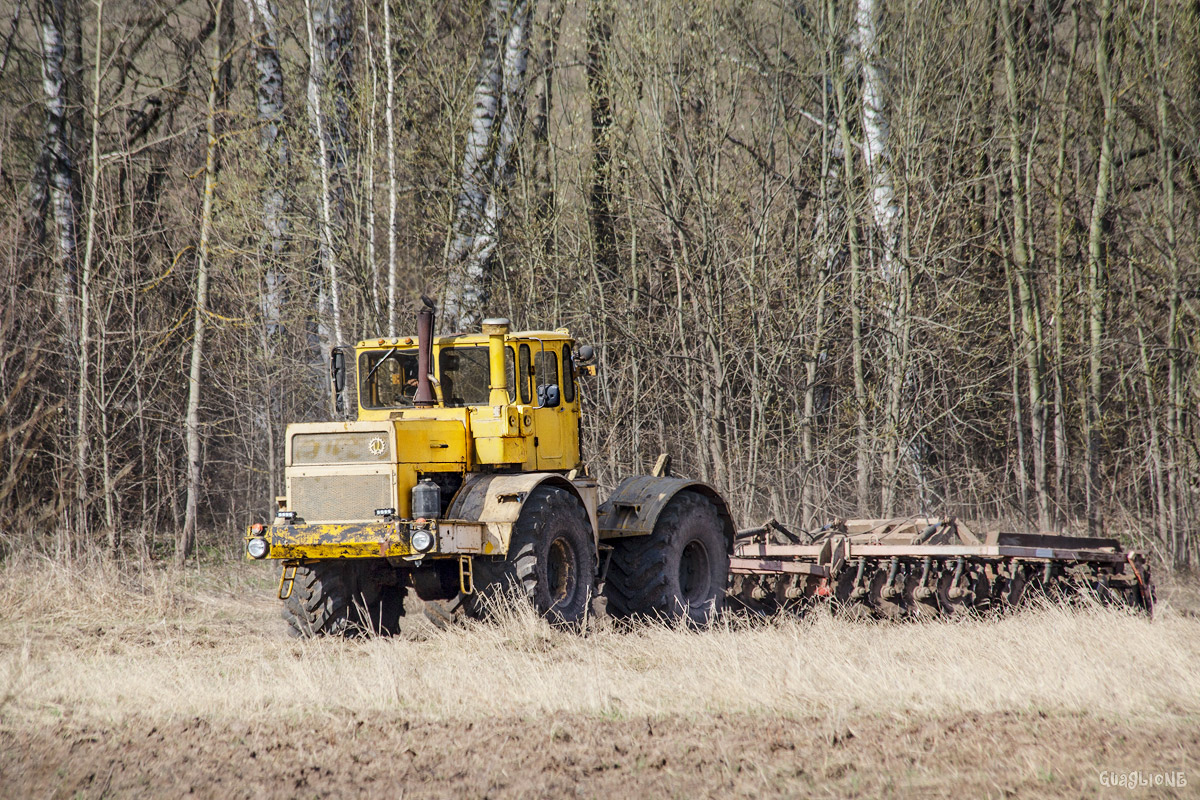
point(994, 755)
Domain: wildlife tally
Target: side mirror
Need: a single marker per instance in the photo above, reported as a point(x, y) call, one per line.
point(342, 386)
point(585, 354)
point(337, 371)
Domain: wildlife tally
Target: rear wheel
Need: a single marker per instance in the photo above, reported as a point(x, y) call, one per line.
point(678, 571)
point(551, 560)
point(339, 598)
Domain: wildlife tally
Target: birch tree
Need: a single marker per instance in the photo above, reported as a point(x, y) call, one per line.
point(60, 166)
point(496, 117)
point(276, 154)
point(330, 33)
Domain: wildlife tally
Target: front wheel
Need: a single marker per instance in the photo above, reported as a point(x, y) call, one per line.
point(341, 598)
point(551, 560)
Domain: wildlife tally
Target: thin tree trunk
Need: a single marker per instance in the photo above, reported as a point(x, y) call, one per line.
point(1169, 515)
point(1062, 471)
point(1029, 341)
point(372, 111)
point(392, 314)
point(862, 454)
point(187, 539)
point(827, 236)
point(601, 213)
point(84, 389)
point(1097, 269)
point(543, 172)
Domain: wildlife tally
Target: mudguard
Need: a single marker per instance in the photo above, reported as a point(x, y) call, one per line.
point(497, 500)
point(634, 508)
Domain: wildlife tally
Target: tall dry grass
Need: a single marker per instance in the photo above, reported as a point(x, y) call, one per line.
point(109, 644)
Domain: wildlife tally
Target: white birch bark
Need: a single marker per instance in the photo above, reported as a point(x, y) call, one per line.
point(876, 134)
point(318, 82)
point(61, 169)
point(487, 167)
point(273, 144)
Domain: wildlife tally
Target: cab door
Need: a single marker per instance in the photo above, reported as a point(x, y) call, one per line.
point(548, 411)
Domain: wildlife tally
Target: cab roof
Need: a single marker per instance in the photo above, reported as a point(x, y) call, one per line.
point(562, 334)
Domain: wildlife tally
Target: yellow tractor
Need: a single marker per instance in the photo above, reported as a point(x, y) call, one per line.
point(461, 478)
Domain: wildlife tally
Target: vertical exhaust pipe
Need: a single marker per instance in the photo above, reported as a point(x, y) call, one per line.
point(424, 396)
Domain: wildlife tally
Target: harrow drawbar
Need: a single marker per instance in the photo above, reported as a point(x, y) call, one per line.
point(915, 567)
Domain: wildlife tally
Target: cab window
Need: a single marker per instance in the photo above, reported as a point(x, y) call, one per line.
point(545, 376)
point(463, 374)
point(510, 374)
point(568, 376)
point(388, 378)
point(526, 396)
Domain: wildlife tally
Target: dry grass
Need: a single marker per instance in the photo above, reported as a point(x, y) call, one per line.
point(171, 644)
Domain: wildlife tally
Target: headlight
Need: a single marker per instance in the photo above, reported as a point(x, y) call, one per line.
point(257, 548)
point(422, 541)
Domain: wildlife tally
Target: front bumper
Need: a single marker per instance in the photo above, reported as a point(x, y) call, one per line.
point(372, 540)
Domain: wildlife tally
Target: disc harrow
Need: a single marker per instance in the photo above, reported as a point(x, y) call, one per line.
point(912, 568)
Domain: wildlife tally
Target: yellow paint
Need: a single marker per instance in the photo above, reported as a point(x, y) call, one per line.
point(505, 432)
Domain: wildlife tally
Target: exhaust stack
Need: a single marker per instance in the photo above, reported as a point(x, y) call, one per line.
point(424, 396)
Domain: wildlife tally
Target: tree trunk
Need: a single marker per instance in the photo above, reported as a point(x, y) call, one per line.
point(543, 176)
point(330, 36)
point(82, 437)
point(61, 166)
point(1029, 341)
point(1097, 269)
point(376, 306)
point(487, 167)
point(187, 540)
point(862, 450)
point(276, 154)
point(1062, 471)
point(392, 314)
point(601, 214)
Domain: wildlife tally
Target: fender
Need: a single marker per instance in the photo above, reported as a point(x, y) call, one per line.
point(497, 500)
point(633, 509)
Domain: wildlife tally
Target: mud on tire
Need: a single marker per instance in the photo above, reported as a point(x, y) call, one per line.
point(551, 560)
point(340, 598)
point(680, 570)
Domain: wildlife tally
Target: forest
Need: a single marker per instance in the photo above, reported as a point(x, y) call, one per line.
point(838, 258)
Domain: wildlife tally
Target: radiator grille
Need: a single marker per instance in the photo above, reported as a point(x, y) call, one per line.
point(340, 498)
point(354, 447)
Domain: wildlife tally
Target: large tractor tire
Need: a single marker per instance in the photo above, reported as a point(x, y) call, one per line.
point(339, 598)
point(551, 561)
point(677, 572)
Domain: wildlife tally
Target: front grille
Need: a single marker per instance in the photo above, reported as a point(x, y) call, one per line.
point(340, 498)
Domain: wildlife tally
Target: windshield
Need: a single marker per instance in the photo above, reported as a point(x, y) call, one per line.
point(389, 378)
point(463, 372)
